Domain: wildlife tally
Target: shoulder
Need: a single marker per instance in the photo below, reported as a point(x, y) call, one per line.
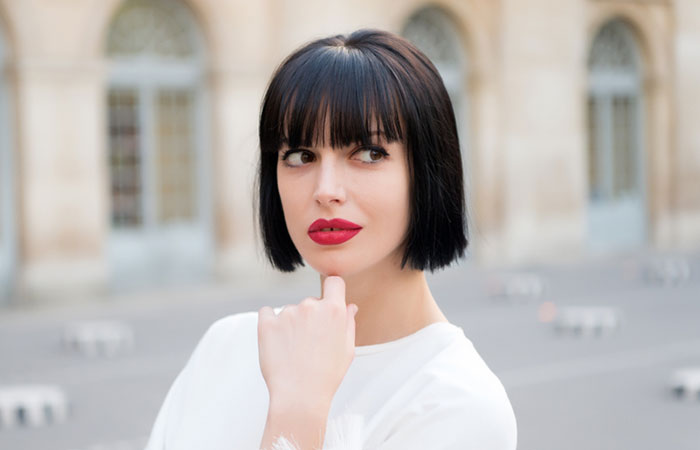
point(231, 324)
point(227, 333)
point(474, 420)
point(463, 367)
point(462, 398)
point(462, 419)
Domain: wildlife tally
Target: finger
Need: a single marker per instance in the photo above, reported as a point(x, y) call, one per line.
point(264, 314)
point(266, 311)
point(278, 310)
point(352, 311)
point(334, 289)
point(309, 301)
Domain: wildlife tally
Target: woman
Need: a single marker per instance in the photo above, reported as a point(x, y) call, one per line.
point(360, 176)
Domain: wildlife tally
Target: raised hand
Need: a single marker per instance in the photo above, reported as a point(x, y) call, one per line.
point(306, 350)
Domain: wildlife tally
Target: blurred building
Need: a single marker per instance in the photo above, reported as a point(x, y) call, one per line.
point(128, 129)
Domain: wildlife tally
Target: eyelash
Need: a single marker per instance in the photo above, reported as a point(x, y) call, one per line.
point(368, 148)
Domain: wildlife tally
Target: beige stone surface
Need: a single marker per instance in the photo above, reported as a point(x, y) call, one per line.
point(687, 168)
point(525, 87)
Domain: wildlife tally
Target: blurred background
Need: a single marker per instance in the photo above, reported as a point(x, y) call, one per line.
point(128, 148)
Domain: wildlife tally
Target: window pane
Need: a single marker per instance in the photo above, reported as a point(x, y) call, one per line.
point(157, 28)
point(614, 49)
point(432, 31)
point(596, 187)
point(623, 146)
point(176, 159)
point(125, 159)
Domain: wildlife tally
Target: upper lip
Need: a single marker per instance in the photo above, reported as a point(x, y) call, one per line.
point(333, 223)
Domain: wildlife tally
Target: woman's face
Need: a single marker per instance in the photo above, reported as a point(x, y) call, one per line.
point(367, 186)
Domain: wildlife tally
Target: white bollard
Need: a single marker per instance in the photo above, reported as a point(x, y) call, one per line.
point(516, 286)
point(99, 338)
point(587, 320)
point(685, 383)
point(32, 406)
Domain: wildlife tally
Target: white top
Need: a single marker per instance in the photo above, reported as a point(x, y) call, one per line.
point(427, 390)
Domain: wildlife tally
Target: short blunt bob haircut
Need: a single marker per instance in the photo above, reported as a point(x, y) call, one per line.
point(367, 81)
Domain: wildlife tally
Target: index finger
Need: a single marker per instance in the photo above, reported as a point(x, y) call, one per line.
point(334, 289)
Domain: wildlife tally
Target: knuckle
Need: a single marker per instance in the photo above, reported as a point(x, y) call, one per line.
point(338, 307)
point(265, 316)
point(307, 303)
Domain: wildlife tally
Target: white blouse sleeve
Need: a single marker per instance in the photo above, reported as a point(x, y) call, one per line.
point(173, 400)
point(157, 437)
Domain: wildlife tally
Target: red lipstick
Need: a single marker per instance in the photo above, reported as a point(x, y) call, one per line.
point(332, 232)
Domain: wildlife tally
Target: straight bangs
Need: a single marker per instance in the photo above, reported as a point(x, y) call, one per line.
point(337, 93)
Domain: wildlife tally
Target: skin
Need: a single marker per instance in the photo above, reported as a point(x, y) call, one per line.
point(306, 350)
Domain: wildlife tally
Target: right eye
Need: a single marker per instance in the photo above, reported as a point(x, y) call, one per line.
point(297, 158)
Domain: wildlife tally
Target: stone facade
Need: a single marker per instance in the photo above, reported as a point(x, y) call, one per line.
point(526, 134)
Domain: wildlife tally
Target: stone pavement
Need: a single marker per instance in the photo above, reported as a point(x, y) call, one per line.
point(602, 385)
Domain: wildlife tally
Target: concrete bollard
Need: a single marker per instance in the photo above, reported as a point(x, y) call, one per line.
point(99, 338)
point(587, 320)
point(685, 383)
point(32, 406)
point(667, 271)
point(516, 286)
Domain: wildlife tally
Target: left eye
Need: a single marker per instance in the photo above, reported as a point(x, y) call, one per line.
point(371, 155)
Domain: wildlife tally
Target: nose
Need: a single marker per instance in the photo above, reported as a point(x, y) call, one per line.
point(329, 185)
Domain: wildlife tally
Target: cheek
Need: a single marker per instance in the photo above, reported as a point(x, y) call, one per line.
point(388, 199)
point(291, 196)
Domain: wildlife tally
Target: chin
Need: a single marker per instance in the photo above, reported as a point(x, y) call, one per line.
point(328, 269)
point(338, 262)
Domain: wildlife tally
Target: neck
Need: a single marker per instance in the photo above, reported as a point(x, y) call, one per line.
point(392, 303)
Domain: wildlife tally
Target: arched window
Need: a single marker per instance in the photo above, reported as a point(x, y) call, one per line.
point(7, 240)
point(617, 212)
point(159, 210)
point(434, 32)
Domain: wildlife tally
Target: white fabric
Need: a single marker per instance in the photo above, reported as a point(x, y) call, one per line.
point(429, 390)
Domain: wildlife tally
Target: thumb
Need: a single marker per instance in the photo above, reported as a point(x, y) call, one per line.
point(334, 289)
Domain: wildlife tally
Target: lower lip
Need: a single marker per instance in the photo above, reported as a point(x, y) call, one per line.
point(333, 237)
